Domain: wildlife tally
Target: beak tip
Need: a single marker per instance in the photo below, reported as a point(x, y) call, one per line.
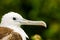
point(44, 24)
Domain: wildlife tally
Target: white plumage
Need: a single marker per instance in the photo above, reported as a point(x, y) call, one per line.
point(14, 21)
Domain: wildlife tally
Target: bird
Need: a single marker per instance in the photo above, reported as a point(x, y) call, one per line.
point(10, 26)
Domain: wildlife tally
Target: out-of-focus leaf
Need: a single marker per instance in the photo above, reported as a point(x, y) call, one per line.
point(36, 37)
point(53, 29)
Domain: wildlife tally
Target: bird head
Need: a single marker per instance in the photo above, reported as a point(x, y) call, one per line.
point(16, 19)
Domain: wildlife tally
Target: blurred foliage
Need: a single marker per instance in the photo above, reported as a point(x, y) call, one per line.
point(46, 10)
point(36, 37)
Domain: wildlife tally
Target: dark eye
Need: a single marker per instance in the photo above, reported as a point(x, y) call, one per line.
point(14, 18)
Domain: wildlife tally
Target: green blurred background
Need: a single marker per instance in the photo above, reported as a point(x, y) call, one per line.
point(46, 10)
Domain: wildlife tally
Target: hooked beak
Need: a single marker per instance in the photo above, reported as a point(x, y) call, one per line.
point(29, 22)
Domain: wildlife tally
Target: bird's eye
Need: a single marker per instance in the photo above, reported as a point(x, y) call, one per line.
point(14, 18)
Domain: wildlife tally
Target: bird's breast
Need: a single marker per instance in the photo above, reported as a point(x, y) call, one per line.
point(4, 32)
